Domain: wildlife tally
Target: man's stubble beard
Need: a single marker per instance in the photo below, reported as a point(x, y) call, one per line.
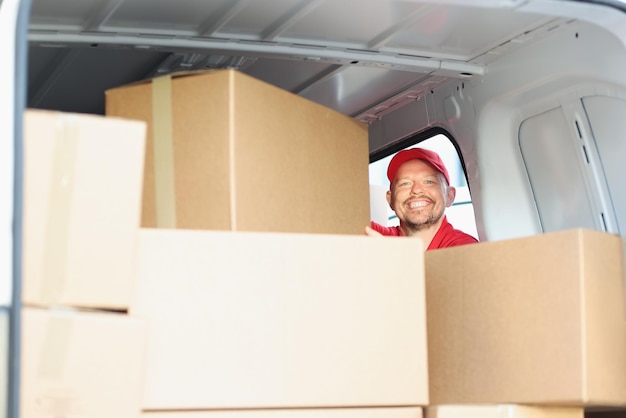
point(420, 226)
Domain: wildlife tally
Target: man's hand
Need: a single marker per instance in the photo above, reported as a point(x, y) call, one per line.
point(370, 232)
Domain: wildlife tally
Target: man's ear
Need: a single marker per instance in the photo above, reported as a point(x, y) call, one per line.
point(389, 199)
point(451, 194)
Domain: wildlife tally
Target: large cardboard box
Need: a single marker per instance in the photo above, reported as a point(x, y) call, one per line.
point(82, 207)
point(81, 364)
point(229, 152)
point(270, 320)
point(502, 411)
point(401, 412)
point(531, 320)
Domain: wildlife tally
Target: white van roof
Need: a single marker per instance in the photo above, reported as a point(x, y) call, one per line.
point(363, 58)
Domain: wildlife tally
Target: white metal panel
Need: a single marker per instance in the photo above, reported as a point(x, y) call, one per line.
point(462, 33)
point(515, 88)
point(264, 19)
point(398, 125)
point(66, 14)
point(608, 124)
point(351, 22)
point(350, 90)
point(412, 28)
point(182, 16)
point(445, 39)
point(556, 174)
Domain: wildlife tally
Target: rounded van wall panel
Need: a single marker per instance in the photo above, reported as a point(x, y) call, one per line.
point(553, 163)
point(608, 124)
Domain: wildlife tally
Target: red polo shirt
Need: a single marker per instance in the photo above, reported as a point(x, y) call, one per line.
point(445, 237)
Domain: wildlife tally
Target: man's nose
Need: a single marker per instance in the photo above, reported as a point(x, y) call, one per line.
point(416, 188)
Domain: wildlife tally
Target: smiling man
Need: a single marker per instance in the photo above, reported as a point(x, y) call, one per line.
point(419, 194)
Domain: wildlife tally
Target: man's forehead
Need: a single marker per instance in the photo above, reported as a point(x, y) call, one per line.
point(416, 166)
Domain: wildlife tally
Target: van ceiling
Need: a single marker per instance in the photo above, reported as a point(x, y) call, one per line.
point(361, 58)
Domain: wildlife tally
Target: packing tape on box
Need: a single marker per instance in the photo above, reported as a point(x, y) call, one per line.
point(56, 240)
point(55, 347)
point(163, 145)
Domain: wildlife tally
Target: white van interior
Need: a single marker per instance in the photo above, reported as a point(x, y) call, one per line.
point(529, 92)
point(527, 98)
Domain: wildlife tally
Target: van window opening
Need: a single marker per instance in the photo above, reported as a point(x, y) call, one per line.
point(460, 214)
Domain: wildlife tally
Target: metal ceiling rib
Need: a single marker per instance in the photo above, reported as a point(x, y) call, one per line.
point(328, 50)
point(384, 37)
point(114, 21)
point(213, 25)
point(281, 24)
point(340, 56)
point(100, 15)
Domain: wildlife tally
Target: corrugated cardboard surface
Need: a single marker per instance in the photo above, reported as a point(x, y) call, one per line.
point(260, 320)
point(532, 320)
point(502, 411)
point(83, 364)
point(135, 102)
point(248, 156)
point(402, 412)
point(82, 199)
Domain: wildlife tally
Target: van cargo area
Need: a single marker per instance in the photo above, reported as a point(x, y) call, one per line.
point(185, 188)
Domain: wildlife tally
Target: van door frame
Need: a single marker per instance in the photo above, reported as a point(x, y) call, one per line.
point(14, 20)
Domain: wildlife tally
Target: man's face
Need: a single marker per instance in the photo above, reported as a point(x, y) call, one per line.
point(419, 195)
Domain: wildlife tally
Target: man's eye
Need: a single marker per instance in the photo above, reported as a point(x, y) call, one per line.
point(404, 184)
point(429, 182)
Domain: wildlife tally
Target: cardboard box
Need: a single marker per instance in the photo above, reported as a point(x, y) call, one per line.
point(83, 364)
point(229, 152)
point(401, 412)
point(502, 411)
point(536, 320)
point(82, 197)
point(268, 320)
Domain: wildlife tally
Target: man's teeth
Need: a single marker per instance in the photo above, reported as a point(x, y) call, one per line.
point(418, 204)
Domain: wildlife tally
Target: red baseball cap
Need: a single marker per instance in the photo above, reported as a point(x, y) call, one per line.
point(403, 156)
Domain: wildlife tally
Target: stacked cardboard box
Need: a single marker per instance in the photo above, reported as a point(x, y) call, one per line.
point(239, 322)
point(81, 354)
point(502, 411)
point(282, 308)
point(244, 320)
point(538, 320)
point(396, 412)
point(83, 177)
point(243, 323)
point(226, 151)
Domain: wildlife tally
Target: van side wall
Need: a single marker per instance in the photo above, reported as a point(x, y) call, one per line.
point(514, 193)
